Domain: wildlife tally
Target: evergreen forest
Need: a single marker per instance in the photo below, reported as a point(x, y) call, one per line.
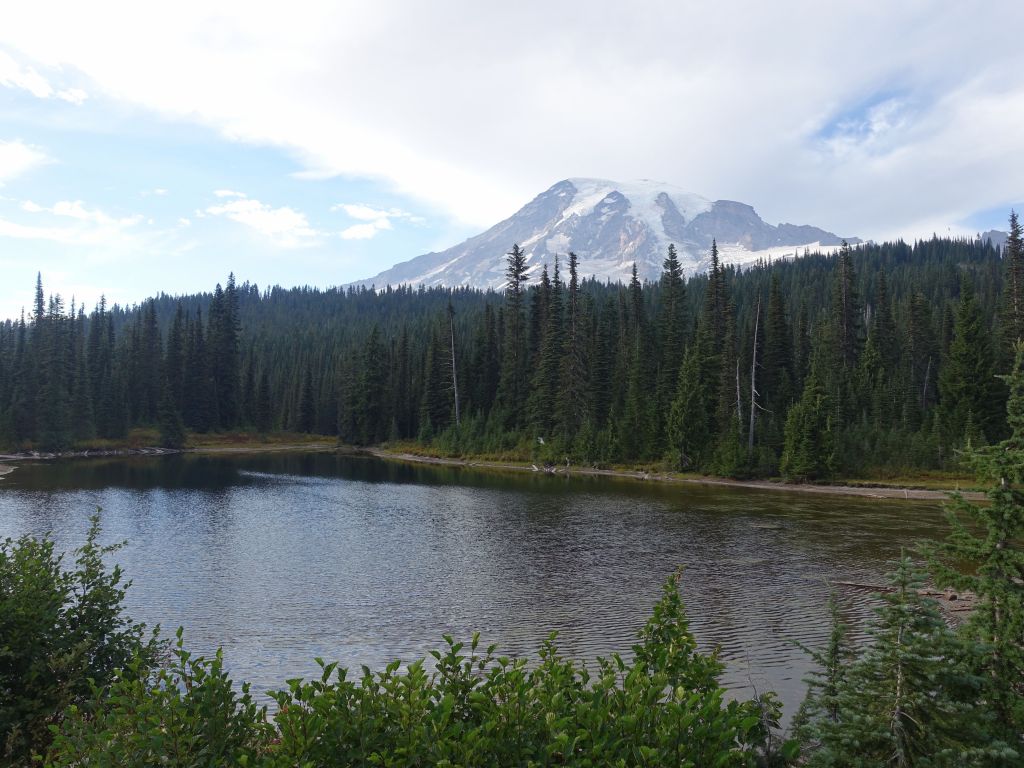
point(878, 359)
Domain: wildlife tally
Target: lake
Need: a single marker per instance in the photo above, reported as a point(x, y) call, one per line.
point(282, 557)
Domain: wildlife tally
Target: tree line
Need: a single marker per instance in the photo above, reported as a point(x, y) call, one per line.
point(85, 685)
point(879, 357)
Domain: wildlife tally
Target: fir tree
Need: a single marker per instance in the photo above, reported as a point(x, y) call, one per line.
point(776, 382)
point(907, 700)
point(635, 426)
point(809, 450)
point(573, 410)
point(263, 409)
point(691, 424)
point(305, 417)
point(512, 389)
point(172, 428)
point(968, 387)
point(436, 403)
point(990, 538)
point(820, 708)
point(671, 328)
point(544, 390)
point(846, 309)
point(371, 418)
point(1013, 291)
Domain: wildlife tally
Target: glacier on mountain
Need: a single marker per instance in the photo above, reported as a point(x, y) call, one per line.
point(610, 226)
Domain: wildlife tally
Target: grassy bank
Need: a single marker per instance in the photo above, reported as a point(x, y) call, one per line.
point(883, 484)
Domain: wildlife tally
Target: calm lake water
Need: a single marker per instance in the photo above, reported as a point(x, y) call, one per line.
point(279, 558)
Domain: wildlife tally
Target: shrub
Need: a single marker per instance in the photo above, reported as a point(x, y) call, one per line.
point(469, 707)
point(63, 633)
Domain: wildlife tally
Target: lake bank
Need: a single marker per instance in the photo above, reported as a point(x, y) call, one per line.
point(230, 445)
point(879, 491)
point(284, 555)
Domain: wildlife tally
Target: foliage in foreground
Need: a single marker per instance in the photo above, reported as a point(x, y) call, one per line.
point(472, 708)
point(920, 694)
point(909, 698)
point(63, 635)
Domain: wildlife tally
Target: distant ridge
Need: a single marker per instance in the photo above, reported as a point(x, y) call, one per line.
point(610, 225)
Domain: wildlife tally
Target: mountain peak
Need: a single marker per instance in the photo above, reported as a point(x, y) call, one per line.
point(610, 226)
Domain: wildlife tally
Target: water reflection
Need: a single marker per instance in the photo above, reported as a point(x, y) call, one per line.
point(283, 557)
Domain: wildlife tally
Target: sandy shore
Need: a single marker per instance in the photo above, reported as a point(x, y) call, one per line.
point(873, 492)
point(884, 492)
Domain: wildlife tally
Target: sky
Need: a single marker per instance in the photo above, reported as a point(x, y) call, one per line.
point(156, 147)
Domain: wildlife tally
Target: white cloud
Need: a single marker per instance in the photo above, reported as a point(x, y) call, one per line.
point(14, 75)
point(364, 212)
point(17, 158)
point(285, 226)
point(74, 96)
point(362, 231)
point(228, 193)
point(378, 219)
point(727, 100)
point(88, 226)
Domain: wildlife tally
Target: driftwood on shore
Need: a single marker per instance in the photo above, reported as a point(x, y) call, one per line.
point(88, 453)
point(950, 603)
point(872, 492)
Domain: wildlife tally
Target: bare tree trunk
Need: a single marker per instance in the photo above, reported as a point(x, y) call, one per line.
point(455, 376)
point(753, 383)
point(924, 389)
point(739, 400)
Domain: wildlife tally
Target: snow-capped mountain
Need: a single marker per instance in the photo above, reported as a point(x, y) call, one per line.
point(611, 225)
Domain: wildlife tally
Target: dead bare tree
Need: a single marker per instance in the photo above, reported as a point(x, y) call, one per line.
point(455, 375)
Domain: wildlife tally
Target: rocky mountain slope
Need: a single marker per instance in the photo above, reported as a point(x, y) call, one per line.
point(610, 225)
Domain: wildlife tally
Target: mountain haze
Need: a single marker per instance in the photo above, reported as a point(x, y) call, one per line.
point(610, 225)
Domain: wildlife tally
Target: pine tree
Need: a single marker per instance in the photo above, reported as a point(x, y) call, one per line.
point(691, 422)
point(544, 386)
point(573, 378)
point(809, 450)
point(224, 357)
point(172, 428)
point(198, 395)
point(603, 370)
point(1013, 291)
point(990, 537)
point(846, 309)
point(671, 328)
point(305, 419)
point(907, 700)
point(968, 388)
point(150, 376)
point(174, 359)
point(371, 418)
point(436, 403)
point(512, 389)
point(776, 382)
point(54, 416)
point(820, 708)
point(920, 359)
point(635, 426)
point(264, 417)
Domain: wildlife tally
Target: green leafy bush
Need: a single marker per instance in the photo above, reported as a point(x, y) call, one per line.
point(186, 713)
point(470, 707)
point(63, 633)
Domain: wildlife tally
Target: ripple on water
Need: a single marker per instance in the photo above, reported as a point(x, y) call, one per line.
point(283, 558)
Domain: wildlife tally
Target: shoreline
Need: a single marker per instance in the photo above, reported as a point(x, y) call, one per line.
point(872, 492)
point(879, 491)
